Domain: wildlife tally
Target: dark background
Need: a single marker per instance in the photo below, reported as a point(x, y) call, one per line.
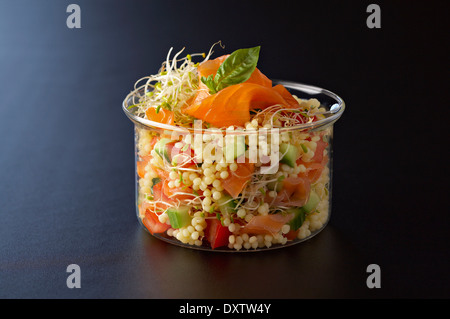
point(67, 163)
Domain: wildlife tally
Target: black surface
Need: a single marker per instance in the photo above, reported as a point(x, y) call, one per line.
point(66, 148)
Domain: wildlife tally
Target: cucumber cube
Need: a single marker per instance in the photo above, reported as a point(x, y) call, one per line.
point(179, 217)
point(289, 154)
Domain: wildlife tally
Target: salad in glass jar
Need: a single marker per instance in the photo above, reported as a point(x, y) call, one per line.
point(226, 158)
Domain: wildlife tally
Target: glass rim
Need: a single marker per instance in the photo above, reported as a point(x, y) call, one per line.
point(309, 89)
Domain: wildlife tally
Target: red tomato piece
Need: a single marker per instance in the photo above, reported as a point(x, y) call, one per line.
point(152, 223)
point(292, 234)
point(216, 234)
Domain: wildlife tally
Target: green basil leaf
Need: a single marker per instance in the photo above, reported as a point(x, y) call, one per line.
point(209, 82)
point(237, 68)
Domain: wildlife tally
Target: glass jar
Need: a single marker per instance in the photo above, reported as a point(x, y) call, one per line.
point(238, 189)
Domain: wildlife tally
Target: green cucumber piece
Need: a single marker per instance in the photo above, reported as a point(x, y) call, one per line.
point(301, 212)
point(299, 217)
point(161, 148)
point(312, 202)
point(289, 153)
point(179, 217)
point(227, 204)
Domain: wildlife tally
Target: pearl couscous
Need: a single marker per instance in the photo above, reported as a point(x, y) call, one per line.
point(254, 182)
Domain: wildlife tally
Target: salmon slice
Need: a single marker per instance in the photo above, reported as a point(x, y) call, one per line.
point(313, 172)
point(295, 192)
point(281, 89)
point(258, 77)
point(313, 169)
point(210, 67)
point(232, 105)
point(163, 116)
point(205, 109)
point(182, 192)
point(237, 180)
point(266, 224)
point(206, 69)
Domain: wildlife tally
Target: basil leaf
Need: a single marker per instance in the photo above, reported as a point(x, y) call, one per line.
point(237, 68)
point(209, 82)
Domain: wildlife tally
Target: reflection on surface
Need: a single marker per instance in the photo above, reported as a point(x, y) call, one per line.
point(327, 266)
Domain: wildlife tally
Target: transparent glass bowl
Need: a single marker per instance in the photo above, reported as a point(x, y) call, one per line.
point(252, 189)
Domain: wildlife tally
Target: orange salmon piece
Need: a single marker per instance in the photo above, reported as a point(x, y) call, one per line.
point(266, 224)
point(210, 67)
point(237, 180)
point(281, 89)
point(232, 105)
point(163, 116)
